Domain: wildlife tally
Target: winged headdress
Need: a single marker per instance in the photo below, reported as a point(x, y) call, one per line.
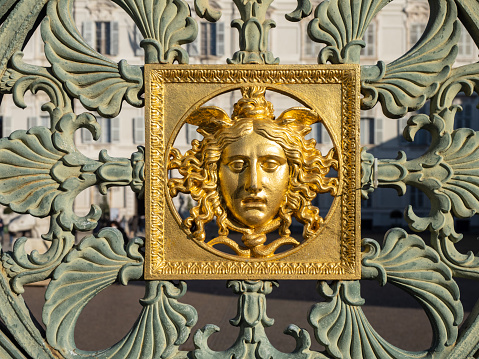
point(252, 106)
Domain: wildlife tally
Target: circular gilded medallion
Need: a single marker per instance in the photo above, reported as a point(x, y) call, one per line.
point(252, 173)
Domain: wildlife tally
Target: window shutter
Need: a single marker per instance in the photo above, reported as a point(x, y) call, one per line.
point(370, 40)
point(310, 135)
point(114, 38)
point(86, 136)
point(138, 130)
point(192, 49)
point(364, 131)
point(6, 126)
point(220, 39)
point(204, 38)
point(115, 129)
point(88, 33)
point(378, 136)
point(105, 125)
point(31, 122)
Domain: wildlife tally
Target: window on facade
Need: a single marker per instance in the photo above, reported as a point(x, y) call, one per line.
point(467, 118)
point(31, 122)
point(402, 123)
point(321, 135)
point(415, 32)
point(422, 137)
point(102, 36)
point(367, 131)
point(6, 126)
point(138, 130)
point(193, 49)
point(110, 131)
point(416, 197)
point(367, 203)
point(465, 44)
point(212, 39)
point(370, 40)
point(35, 121)
point(313, 133)
point(44, 121)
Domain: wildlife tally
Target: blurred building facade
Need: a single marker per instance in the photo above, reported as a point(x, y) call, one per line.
point(109, 30)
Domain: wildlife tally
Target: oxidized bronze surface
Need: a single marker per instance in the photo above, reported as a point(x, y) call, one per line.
point(252, 173)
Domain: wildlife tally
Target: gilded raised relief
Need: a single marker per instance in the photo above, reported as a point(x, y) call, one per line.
point(251, 173)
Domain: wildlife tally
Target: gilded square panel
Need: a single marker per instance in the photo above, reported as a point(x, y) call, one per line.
point(252, 173)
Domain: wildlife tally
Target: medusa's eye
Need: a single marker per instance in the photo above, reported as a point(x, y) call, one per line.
point(270, 165)
point(237, 165)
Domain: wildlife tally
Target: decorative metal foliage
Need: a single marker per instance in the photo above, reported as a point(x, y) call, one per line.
point(83, 71)
point(96, 263)
point(42, 172)
point(404, 261)
point(165, 25)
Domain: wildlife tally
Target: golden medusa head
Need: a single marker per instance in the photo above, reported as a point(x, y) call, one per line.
point(253, 172)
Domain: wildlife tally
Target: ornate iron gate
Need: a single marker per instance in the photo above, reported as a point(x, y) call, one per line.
point(42, 172)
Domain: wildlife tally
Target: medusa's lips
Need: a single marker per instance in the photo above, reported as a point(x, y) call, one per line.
point(253, 202)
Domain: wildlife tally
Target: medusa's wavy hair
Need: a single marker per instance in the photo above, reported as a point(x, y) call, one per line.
point(199, 166)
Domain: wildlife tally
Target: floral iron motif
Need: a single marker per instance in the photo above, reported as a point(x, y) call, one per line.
point(43, 171)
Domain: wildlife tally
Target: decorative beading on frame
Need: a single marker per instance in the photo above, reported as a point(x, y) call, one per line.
point(159, 264)
point(156, 197)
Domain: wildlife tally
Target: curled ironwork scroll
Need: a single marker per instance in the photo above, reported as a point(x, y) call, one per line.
point(42, 172)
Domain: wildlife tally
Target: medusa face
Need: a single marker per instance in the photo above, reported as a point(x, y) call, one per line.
point(253, 172)
point(253, 179)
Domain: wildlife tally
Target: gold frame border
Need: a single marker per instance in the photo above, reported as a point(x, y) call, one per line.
point(157, 266)
point(155, 173)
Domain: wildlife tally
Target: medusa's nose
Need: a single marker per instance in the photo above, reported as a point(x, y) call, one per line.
point(253, 178)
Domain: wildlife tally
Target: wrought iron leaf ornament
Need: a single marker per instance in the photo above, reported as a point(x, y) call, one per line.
point(164, 323)
point(341, 25)
point(22, 77)
point(16, 26)
point(342, 327)
point(84, 72)
point(428, 62)
point(42, 171)
point(204, 10)
point(165, 25)
point(27, 160)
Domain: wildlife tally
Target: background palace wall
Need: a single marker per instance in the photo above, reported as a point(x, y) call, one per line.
point(109, 30)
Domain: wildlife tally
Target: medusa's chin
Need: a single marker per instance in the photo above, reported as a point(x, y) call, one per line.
point(237, 226)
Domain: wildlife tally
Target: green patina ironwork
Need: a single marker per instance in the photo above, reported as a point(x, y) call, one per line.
point(42, 171)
